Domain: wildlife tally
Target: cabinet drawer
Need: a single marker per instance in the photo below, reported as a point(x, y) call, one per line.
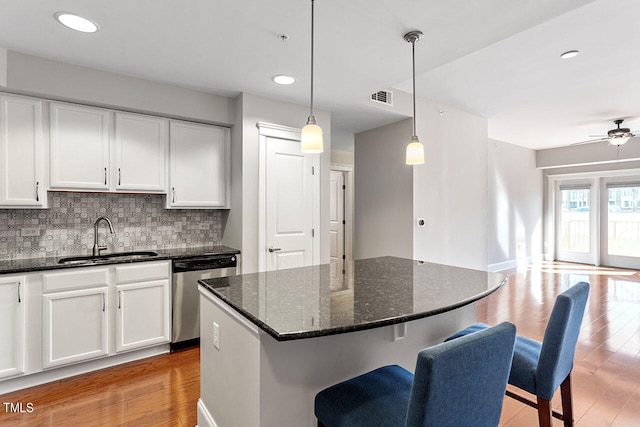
point(142, 272)
point(81, 279)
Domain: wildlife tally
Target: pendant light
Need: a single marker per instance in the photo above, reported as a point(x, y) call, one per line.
point(311, 137)
point(415, 149)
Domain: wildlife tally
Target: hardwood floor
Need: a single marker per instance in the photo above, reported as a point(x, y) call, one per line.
point(606, 374)
point(159, 391)
point(163, 391)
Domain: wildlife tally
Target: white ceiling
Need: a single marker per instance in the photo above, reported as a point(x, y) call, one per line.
point(495, 58)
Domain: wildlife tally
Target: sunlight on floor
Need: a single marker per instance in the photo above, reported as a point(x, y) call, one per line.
point(561, 268)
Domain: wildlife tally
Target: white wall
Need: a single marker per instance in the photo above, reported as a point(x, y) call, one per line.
point(3, 67)
point(451, 189)
point(597, 153)
point(253, 109)
point(383, 194)
point(32, 75)
point(342, 157)
point(515, 228)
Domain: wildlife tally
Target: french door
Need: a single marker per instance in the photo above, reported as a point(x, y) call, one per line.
point(621, 230)
point(598, 222)
point(575, 238)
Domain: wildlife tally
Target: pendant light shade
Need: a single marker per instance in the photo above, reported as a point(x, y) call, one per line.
point(311, 137)
point(415, 149)
point(415, 152)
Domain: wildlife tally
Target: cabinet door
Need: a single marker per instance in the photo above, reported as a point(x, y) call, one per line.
point(79, 147)
point(199, 172)
point(141, 143)
point(75, 325)
point(22, 155)
point(144, 315)
point(12, 327)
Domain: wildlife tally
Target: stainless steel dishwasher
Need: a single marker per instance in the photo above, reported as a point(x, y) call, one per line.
point(186, 299)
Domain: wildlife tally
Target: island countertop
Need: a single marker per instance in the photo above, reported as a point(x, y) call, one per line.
point(308, 302)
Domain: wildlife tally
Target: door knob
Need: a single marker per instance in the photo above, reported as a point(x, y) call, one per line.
point(272, 249)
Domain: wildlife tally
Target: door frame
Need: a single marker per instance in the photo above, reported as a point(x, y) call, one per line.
point(591, 257)
point(347, 171)
point(271, 130)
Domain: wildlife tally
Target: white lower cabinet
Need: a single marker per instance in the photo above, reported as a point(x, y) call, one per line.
point(94, 312)
point(143, 315)
point(143, 304)
point(12, 326)
point(75, 326)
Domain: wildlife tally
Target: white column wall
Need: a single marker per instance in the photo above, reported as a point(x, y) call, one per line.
point(383, 195)
point(449, 191)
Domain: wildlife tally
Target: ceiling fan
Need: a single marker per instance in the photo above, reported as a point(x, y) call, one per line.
point(617, 136)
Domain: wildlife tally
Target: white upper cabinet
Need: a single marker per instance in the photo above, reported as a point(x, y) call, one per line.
point(23, 166)
point(87, 155)
point(79, 147)
point(140, 150)
point(199, 166)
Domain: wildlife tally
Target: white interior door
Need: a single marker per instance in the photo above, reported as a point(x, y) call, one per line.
point(336, 228)
point(291, 193)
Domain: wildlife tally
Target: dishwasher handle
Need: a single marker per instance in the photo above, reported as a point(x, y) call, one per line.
point(204, 263)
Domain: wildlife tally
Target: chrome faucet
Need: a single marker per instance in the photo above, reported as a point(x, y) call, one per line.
point(96, 247)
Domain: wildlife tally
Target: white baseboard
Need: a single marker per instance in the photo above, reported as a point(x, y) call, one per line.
point(500, 266)
point(54, 374)
point(204, 416)
point(514, 263)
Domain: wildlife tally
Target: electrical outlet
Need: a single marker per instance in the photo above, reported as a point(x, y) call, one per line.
point(216, 336)
point(29, 231)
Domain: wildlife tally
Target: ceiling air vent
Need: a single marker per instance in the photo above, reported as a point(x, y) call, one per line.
point(383, 97)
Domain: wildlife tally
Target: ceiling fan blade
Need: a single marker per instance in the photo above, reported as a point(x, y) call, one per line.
point(598, 136)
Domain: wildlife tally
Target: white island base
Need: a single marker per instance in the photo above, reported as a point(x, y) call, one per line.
point(254, 380)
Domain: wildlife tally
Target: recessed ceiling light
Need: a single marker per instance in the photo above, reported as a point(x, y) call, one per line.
point(76, 22)
point(569, 54)
point(283, 79)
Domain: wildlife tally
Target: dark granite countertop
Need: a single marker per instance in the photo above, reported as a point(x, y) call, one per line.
point(306, 302)
point(26, 265)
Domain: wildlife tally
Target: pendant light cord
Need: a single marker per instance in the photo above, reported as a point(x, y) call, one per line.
point(312, 31)
point(413, 55)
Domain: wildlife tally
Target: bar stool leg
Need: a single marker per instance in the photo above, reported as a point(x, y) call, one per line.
point(544, 412)
point(567, 402)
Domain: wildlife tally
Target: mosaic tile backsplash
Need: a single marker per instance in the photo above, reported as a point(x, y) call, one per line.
point(140, 222)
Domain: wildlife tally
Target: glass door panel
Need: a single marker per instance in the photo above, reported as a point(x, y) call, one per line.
point(623, 226)
point(574, 238)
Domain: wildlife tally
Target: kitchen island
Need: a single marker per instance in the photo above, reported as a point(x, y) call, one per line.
point(270, 341)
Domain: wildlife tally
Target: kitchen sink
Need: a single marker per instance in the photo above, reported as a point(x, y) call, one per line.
point(91, 259)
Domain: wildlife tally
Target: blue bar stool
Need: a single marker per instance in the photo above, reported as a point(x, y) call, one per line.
point(456, 384)
point(541, 367)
